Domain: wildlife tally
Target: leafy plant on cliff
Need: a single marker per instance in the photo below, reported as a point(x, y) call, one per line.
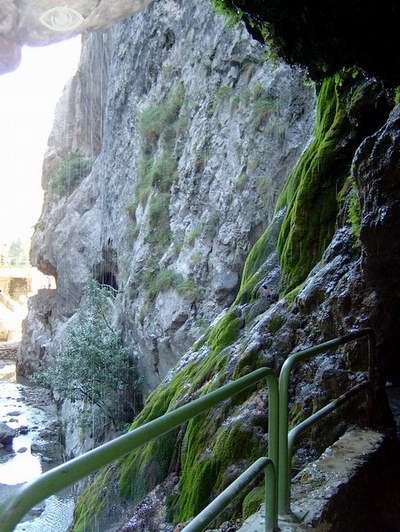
point(93, 366)
point(70, 173)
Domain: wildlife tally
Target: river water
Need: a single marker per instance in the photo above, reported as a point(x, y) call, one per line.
point(36, 449)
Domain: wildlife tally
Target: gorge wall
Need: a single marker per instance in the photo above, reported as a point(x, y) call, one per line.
point(241, 214)
point(192, 134)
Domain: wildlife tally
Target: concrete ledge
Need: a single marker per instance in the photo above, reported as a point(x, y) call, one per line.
point(342, 490)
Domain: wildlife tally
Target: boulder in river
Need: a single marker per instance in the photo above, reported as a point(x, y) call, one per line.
point(6, 434)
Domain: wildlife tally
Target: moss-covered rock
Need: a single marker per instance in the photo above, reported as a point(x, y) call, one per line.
point(253, 501)
point(216, 447)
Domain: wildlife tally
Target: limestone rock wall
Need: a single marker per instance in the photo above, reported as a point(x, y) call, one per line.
point(192, 133)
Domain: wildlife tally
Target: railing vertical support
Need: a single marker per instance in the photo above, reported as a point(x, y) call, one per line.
point(271, 514)
point(284, 461)
point(271, 474)
point(283, 471)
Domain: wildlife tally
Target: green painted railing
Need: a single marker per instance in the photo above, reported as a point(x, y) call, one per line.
point(207, 516)
point(26, 497)
point(284, 461)
point(276, 467)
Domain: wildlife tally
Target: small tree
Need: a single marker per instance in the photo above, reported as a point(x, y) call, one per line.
point(93, 366)
point(17, 254)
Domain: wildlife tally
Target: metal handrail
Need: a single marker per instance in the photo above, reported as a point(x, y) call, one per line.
point(207, 516)
point(280, 447)
point(284, 460)
point(27, 496)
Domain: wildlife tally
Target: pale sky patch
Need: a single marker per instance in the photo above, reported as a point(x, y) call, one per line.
point(28, 98)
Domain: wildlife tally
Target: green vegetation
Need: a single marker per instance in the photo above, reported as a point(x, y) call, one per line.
point(70, 173)
point(211, 227)
point(253, 501)
point(275, 324)
point(163, 172)
point(216, 446)
point(311, 210)
point(156, 280)
point(224, 92)
point(93, 499)
point(306, 209)
point(93, 366)
point(193, 235)
point(227, 8)
point(159, 125)
point(397, 95)
point(157, 118)
point(262, 109)
point(354, 214)
point(17, 254)
point(206, 472)
point(241, 182)
point(225, 332)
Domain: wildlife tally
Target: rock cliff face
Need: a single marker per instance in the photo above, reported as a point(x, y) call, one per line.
point(192, 133)
point(223, 201)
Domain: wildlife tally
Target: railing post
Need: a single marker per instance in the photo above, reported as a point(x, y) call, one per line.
point(284, 461)
point(271, 510)
point(271, 515)
point(283, 471)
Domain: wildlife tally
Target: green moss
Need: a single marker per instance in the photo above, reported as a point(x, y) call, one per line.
point(354, 214)
point(397, 96)
point(93, 500)
point(205, 473)
point(227, 9)
point(275, 324)
point(310, 195)
point(143, 469)
point(308, 225)
point(253, 501)
point(292, 295)
point(225, 332)
point(306, 210)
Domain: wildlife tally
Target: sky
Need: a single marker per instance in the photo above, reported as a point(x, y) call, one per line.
point(28, 98)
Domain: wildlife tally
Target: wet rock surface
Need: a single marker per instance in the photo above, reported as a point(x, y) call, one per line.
point(6, 434)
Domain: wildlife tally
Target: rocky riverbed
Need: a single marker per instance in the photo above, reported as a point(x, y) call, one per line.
point(29, 415)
